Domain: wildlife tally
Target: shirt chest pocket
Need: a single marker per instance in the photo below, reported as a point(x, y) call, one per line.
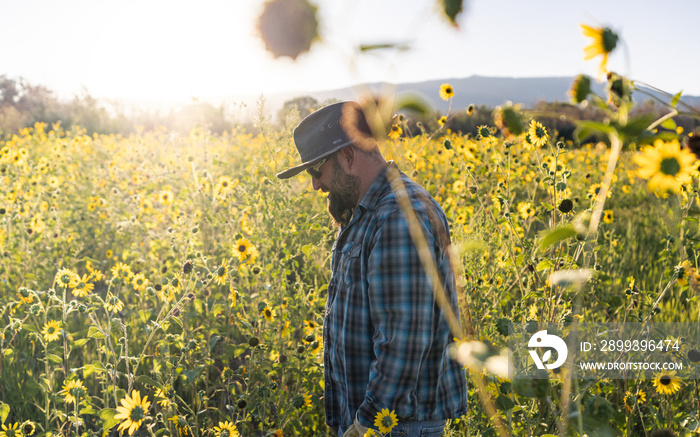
point(351, 263)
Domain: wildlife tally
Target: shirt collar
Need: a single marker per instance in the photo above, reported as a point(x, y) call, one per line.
point(377, 190)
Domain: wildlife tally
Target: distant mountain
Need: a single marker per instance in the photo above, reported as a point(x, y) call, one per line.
point(477, 90)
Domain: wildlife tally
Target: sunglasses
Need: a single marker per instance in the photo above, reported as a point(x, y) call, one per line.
point(314, 169)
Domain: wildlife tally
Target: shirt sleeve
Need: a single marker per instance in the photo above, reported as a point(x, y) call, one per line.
point(404, 316)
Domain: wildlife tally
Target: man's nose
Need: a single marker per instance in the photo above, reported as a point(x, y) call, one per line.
point(315, 183)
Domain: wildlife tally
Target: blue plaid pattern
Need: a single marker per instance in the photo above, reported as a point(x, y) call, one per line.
point(385, 339)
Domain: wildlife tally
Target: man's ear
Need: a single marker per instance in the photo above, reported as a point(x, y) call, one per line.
point(346, 157)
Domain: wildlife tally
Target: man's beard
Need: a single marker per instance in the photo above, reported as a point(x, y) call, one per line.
point(342, 196)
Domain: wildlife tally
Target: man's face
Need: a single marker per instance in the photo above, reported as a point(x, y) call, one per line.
point(342, 189)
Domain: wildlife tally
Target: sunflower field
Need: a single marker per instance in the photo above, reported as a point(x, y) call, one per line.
point(169, 285)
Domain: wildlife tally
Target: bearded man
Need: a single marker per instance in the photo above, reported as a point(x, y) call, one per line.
point(385, 338)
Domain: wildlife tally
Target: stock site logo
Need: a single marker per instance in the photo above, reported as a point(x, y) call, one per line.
point(541, 339)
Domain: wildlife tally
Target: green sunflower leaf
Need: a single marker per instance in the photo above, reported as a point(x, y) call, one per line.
point(143, 379)
point(586, 129)
point(676, 99)
point(95, 333)
point(80, 342)
point(557, 235)
point(108, 420)
point(669, 124)
point(54, 358)
point(504, 403)
point(4, 411)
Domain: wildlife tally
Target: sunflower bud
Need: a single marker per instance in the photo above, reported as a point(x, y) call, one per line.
point(580, 89)
point(288, 27)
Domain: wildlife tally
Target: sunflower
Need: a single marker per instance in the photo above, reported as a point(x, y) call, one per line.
point(145, 206)
point(37, 224)
point(665, 165)
point(309, 325)
point(268, 313)
point(683, 271)
point(132, 411)
point(221, 273)
point(10, 430)
point(52, 181)
point(122, 271)
point(162, 398)
point(25, 295)
point(442, 120)
point(165, 197)
point(608, 216)
point(580, 89)
point(66, 278)
point(537, 134)
point(226, 429)
point(181, 424)
point(73, 391)
point(386, 420)
point(395, 132)
point(224, 185)
point(594, 190)
point(483, 131)
point(566, 206)
point(526, 210)
point(112, 303)
point(666, 382)
point(139, 282)
point(83, 287)
point(604, 42)
point(52, 330)
point(632, 399)
point(244, 250)
point(28, 428)
point(446, 91)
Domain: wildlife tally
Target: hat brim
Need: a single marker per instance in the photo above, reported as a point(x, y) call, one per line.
point(299, 168)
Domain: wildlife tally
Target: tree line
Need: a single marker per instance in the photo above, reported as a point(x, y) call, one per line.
point(23, 104)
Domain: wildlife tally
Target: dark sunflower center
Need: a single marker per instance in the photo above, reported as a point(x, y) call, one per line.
point(387, 421)
point(609, 40)
point(65, 279)
point(670, 166)
point(137, 413)
point(540, 132)
point(665, 380)
point(241, 248)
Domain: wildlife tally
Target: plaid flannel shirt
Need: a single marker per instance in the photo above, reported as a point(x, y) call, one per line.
point(385, 338)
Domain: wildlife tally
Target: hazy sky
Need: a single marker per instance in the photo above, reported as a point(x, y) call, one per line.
point(175, 50)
